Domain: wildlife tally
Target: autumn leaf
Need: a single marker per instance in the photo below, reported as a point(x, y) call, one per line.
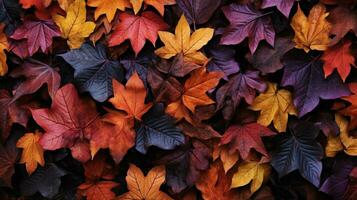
point(137, 28)
point(4, 45)
point(74, 27)
point(32, 151)
point(243, 138)
point(198, 11)
point(284, 6)
point(184, 42)
point(274, 105)
point(348, 143)
point(107, 8)
point(339, 57)
point(69, 123)
point(38, 33)
point(252, 172)
point(157, 4)
point(311, 33)
point(246, 21)
point(64, 4)
point(214, 184)
point(228, 159)
point(351, 110)
point(149, 187)
point(194, 94)
point(131, 97)
point(39, 4)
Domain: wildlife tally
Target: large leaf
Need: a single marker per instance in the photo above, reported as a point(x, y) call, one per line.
point(93, 70)
point(158, 129)
point(306, 76)
point(45, 180)
point(299, 150)
point(246, 21)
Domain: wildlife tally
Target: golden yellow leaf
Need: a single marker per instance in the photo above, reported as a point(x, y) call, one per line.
point(3, 46)
point(311, 33)
point(228, 160)
point(32, 151)
point(251, 172)
point(184, 42)
point(349, 143)
point(108, 8)
point(274, 105)
point(64, 4)
point(74, 27)
point(158, 4)
point(145, 187)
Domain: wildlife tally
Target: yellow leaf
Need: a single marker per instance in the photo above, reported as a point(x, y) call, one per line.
point(274, 105)
point(333, 146)
point(74, 27)
point(183, 42)
point(349, 143)
point(108, 8)
point(3, 46)
point(64, 4)
point(32, 151)
point(158, 4)
point(250, 172)
point(145, 187)
point(311, 33)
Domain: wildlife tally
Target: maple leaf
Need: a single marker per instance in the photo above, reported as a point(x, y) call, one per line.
point(94, 187)
point(69, 123)
point(32, 151)
point(38, 33)
point(149, 187)
point(228, 159)
point(214, 184)
point(184, 42)
point(241, 86)
point(131, 98)
point(46, 180)
point(243, 138)
point(246, 21)
point(118, 141)
point(74, 27)
point(306, 76)
point(198, 11)
point(137, 29)
point(157, 4)
point(339, 57)
point(4, 45)
point(9, 155)
point(39, 4)
point(274, 105)
point(37, 74)
point(108, 8)
point(93, 70)
point(267, 59)
point(299, 150)
point(185, 164)
point(284, 6)
point(252, 172)
point(343, 20)
point(311, 33)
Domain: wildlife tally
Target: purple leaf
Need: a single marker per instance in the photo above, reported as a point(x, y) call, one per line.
point(284, 6)
point(306, 76)
point(337, 183)
point(242, 85)
point(222, 59)
point(39, 34)
point(246, 21)
point(198, 11)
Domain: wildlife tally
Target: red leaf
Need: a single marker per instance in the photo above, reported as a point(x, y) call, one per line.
point(137, 29)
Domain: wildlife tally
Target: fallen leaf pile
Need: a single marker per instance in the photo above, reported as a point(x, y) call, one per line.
point(178, 99)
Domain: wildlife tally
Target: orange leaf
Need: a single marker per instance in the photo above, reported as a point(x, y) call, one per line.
point(339, 57)
point(32, 151)
point(352, 109)
point(149, 185)
point(98, 190)
point(158, 4)
point(131, 98)
point(39, 4)
point(4, 45)
point(108, 8)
